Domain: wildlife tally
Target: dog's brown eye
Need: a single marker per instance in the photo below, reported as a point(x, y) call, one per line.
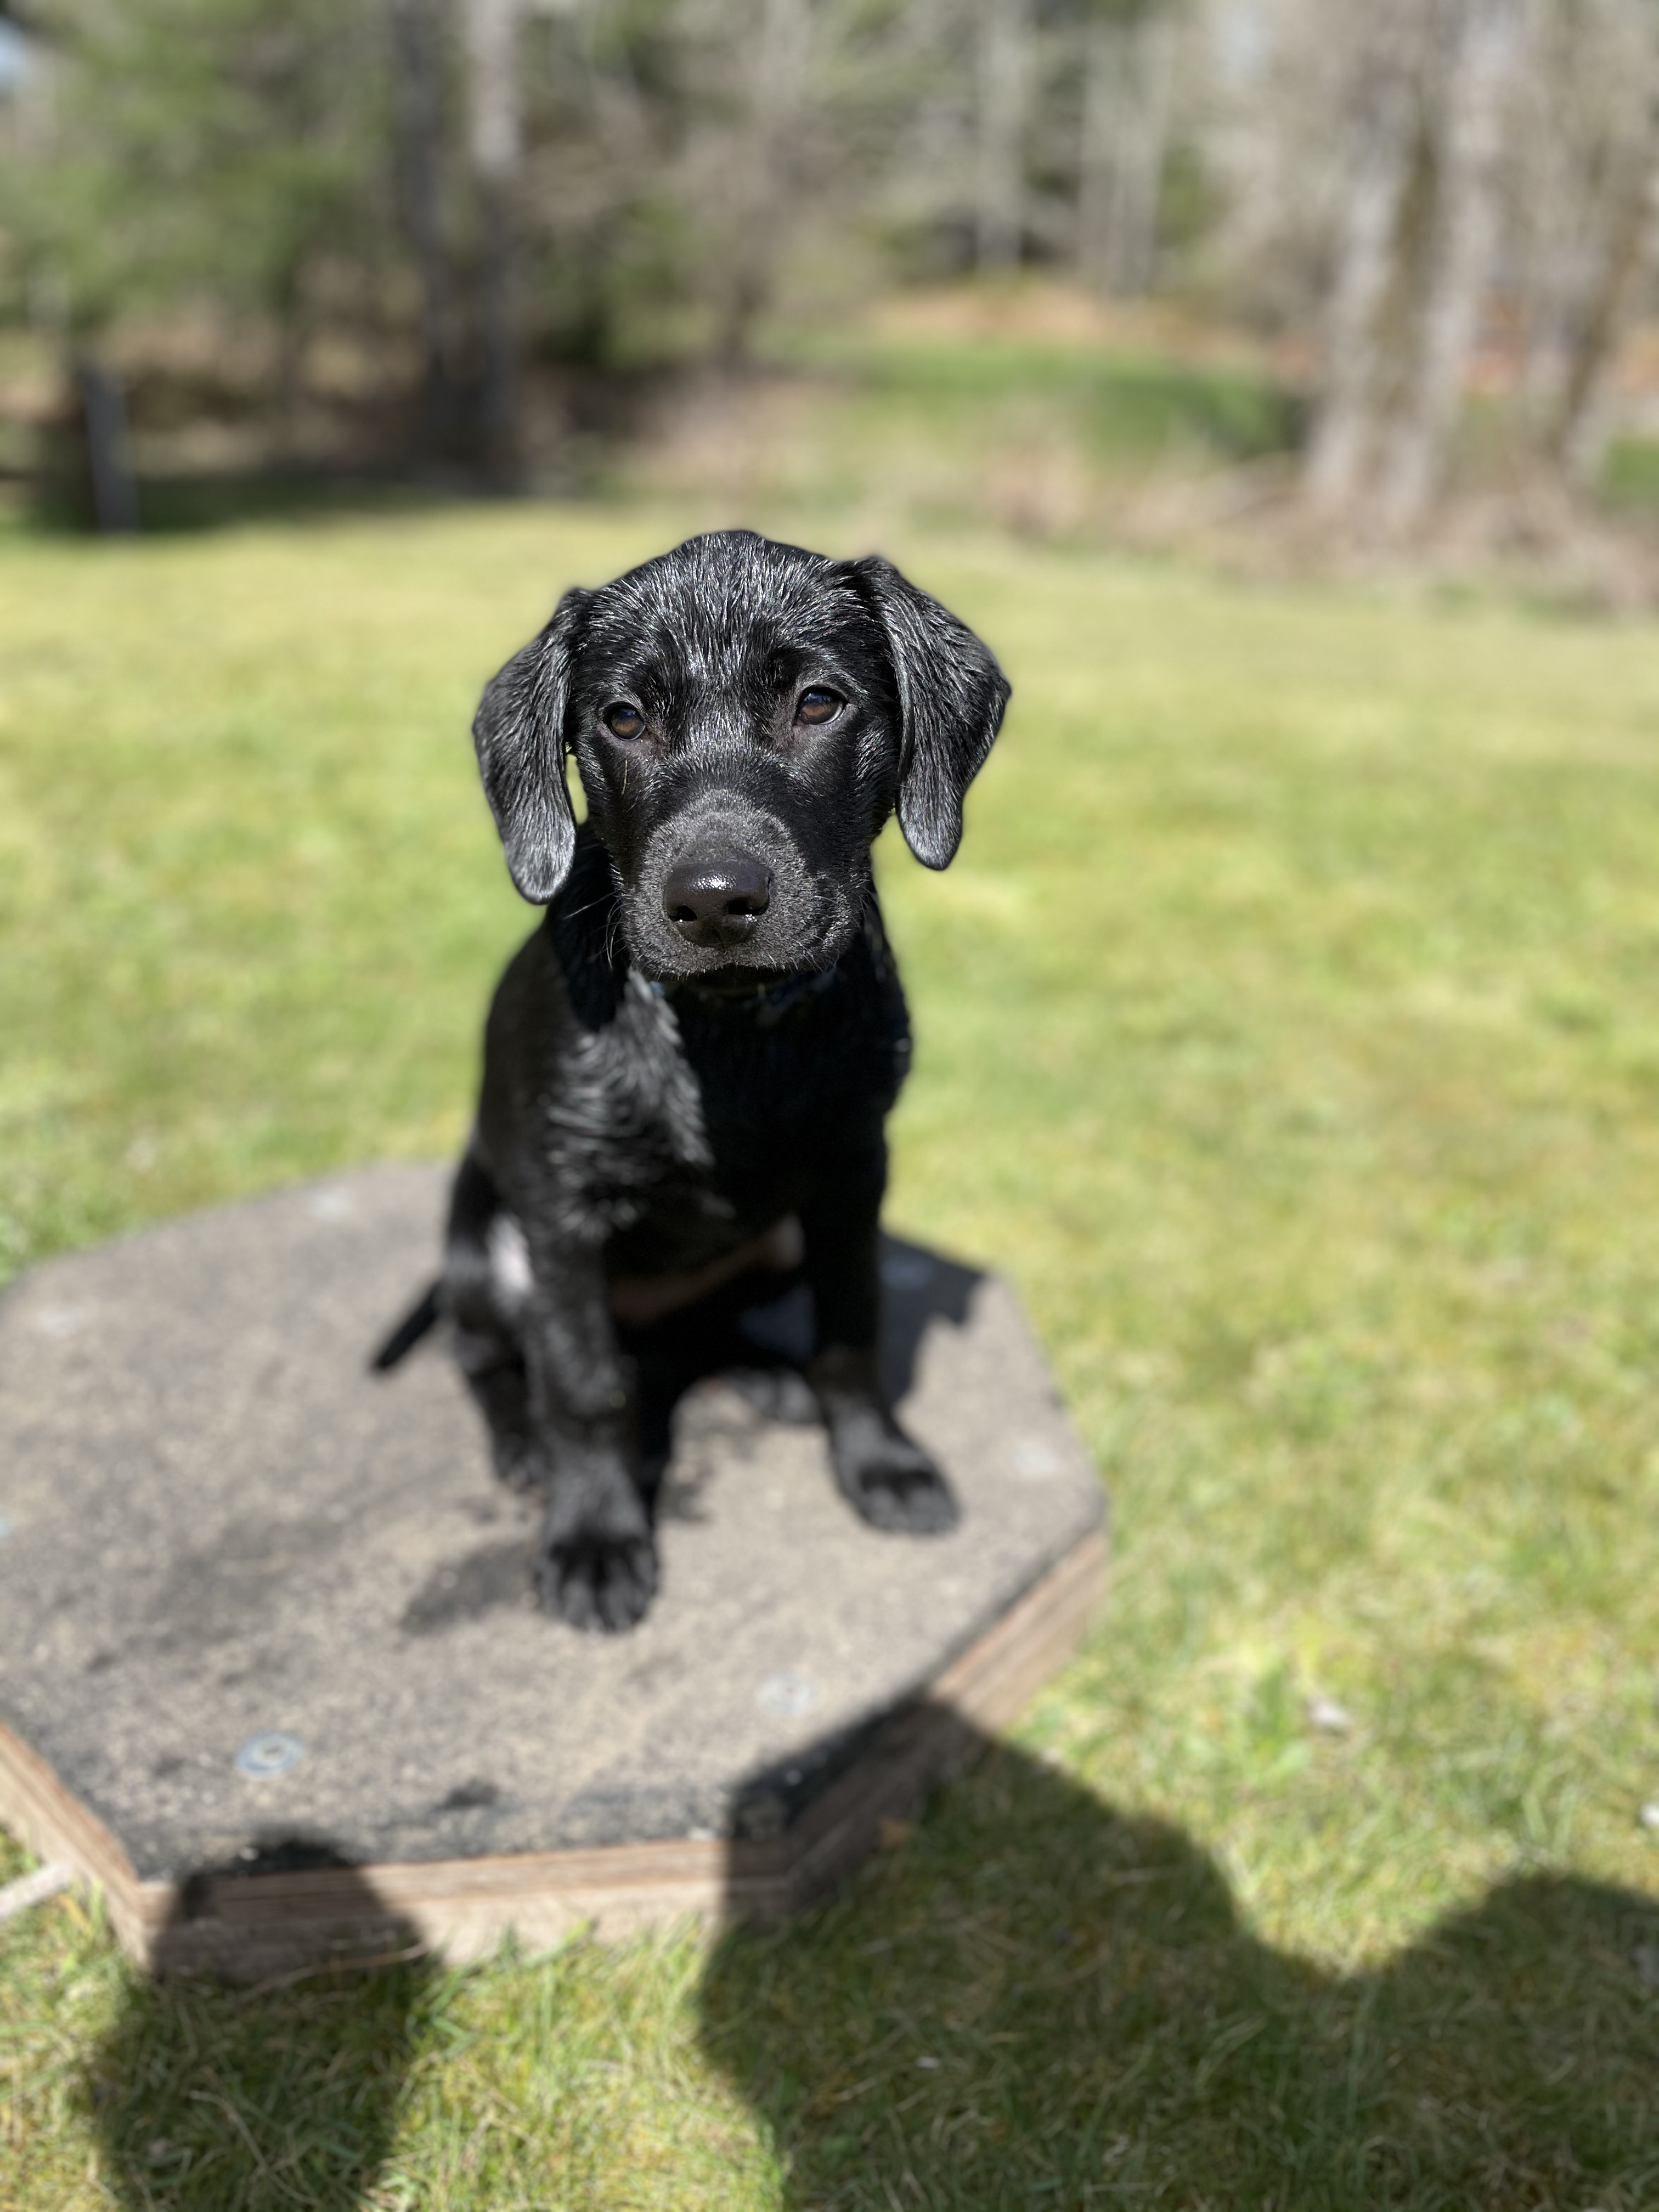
point(819, 706)
point(622, 720)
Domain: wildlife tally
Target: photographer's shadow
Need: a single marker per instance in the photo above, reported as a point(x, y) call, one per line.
point(210, 2097)
point(1033, 2000)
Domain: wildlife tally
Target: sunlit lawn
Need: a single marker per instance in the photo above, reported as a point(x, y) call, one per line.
point(1289, 1031)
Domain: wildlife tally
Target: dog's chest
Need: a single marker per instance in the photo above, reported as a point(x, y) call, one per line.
point(786, 1090)
point(706, 1120)
point(624, 1119)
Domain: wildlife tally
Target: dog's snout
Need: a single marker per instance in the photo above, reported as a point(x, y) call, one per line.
point(716, 902)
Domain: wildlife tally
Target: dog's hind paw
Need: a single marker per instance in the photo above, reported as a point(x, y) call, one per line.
point(596, 1581)
point(889, 1481)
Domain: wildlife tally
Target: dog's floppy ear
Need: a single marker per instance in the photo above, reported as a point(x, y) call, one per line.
point(519, 732)
point(951, 694)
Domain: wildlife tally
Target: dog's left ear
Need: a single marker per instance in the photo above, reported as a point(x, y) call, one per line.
point(519, 732)
point(951, 694)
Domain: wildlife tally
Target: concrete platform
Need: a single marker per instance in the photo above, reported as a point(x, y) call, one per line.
point(270, 1670)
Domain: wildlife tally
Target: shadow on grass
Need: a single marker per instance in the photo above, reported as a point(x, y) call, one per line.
point(1032, 2001)
point(1027, 2002)
point(1038, 2002)
point(284, 2093)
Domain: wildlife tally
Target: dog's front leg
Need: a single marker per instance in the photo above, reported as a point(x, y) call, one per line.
point(596, 1567)
point(882, 1473)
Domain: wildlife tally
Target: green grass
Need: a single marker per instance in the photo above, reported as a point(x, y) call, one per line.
point(1125, 406)
point(1289, 1029)
point(864, 428)
point(1629, 475)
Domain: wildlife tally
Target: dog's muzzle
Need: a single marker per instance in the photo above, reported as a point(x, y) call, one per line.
point(716, 900)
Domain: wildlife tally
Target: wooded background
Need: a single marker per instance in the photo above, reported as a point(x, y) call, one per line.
point(433, 233)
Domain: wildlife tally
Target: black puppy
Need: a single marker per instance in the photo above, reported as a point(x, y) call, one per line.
point(687, 1067)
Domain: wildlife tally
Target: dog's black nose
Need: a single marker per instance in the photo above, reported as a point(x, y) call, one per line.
point(716, 902)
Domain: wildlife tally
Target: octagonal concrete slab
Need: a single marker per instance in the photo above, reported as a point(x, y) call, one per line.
point(269, 1668)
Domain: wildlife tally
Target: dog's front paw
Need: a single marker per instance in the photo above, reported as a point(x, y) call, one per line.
point(518, 1463)
point(597, 1579)
point(502, 1398)
point(888, 1481)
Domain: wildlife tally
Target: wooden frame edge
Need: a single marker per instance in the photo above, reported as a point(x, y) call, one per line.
point(50, 1820)
point(249, 1928)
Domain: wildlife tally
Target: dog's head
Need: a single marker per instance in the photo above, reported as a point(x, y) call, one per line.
point(745, 716)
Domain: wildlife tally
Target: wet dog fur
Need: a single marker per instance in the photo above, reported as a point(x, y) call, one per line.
point(689, 1065)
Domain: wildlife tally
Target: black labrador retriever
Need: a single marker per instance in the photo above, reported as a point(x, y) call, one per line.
point(687, 1067)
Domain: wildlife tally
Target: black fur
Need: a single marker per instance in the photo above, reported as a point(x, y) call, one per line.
point(661, 1093)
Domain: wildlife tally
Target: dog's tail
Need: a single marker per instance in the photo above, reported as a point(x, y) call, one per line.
point(420, 1318)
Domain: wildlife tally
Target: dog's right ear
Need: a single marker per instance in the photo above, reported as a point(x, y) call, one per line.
point(519, 732)
point(951, 694)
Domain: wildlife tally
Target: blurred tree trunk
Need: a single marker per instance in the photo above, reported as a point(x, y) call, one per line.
point(766, 188)
point(1128, 77)
point(1578, 433)
point(1346, 425)
point(1003, 61)
point(290, 360)
point(1468, 146)
point(109, 465)
point(495, 143)
point(1103, 111)
point(417, 67)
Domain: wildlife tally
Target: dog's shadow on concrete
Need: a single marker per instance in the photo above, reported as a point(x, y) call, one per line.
point(760, 1326)
point(756, 1334)
point(1030, 1999)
